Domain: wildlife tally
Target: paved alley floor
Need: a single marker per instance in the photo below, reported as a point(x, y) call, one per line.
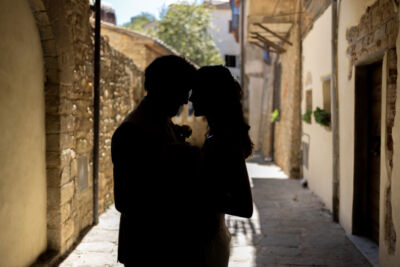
point(290, 227)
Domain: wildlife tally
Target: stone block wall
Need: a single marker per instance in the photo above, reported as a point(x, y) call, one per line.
point(67, 38)
point(142, 49)
point(287, 135)
point(68, 95)
point(376, 32)
point(121, 84)
point(68, 45)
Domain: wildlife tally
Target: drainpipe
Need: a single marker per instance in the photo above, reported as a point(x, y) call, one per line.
point(242, 6)
point(300, 80)
point(96, 112)
point(335, 116)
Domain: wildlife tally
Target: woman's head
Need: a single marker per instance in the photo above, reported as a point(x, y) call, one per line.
point(215, 91)
point(217, 96)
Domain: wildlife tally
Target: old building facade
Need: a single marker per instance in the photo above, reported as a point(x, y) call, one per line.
point(272, 80)
point(355, 88)
point(366, 91)
point(221, 17)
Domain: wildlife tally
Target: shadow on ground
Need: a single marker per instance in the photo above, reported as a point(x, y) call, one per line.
point(290, 227)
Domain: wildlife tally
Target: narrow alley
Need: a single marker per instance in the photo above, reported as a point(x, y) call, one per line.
point(316, 86)
point(290, 227)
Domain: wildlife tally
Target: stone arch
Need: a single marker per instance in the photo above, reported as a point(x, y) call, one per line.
point(52, 122)
point(23, 218)
point(65, 34)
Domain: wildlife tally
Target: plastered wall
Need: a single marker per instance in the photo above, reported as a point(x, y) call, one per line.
point(22, 137)
point(350, 13)
point(316, 68)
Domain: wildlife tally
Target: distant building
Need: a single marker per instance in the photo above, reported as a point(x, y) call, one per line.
point(108, 13)
point(229, 48)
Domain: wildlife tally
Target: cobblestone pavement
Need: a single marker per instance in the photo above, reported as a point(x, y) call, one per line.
point(290, 227)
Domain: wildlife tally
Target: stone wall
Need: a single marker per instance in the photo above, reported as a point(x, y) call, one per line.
point(376, 32)
point(288, 128)
point(142, 49)
point(67, 42)
point(68, 94)
point(121, 87)
point(120, 84)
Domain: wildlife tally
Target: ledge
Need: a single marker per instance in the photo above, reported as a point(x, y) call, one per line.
point(368, 249)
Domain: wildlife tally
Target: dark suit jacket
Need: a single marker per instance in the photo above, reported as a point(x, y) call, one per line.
point(149, 193)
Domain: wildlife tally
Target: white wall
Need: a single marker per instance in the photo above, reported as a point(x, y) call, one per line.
point(317, 63)
point(350, 13)
point(225, 40)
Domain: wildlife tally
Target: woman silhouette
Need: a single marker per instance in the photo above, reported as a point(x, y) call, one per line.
point(216, 95)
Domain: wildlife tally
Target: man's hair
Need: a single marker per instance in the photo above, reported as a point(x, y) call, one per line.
point(166, 71)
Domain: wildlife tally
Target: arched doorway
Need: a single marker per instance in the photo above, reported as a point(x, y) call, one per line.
point(22, 137)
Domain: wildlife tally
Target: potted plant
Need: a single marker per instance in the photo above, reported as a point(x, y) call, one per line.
point(322, 117)
point(307, 116)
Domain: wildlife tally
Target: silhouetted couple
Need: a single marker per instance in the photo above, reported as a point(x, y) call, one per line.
point(173, 196)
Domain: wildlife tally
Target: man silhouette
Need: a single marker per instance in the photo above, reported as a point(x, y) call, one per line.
point(146, 192)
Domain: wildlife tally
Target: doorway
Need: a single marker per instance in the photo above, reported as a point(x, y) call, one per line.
point(368, 95)
point(276, 105)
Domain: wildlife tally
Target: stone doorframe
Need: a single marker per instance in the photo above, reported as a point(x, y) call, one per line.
point(55, 66)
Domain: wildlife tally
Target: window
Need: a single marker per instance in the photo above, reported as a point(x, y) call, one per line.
point(267, 56)
point(230, 61)
point(326, 94)
point(190, 109)
point(309, 100)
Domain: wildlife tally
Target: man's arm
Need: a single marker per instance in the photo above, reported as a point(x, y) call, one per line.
point(132, 150)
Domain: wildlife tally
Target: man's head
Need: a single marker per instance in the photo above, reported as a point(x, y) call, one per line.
point(168, 80)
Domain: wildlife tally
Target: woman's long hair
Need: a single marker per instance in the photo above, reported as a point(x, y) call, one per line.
point(224, 96)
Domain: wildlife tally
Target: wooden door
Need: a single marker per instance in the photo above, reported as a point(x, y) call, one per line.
point(374, 146)
point(367, 151)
